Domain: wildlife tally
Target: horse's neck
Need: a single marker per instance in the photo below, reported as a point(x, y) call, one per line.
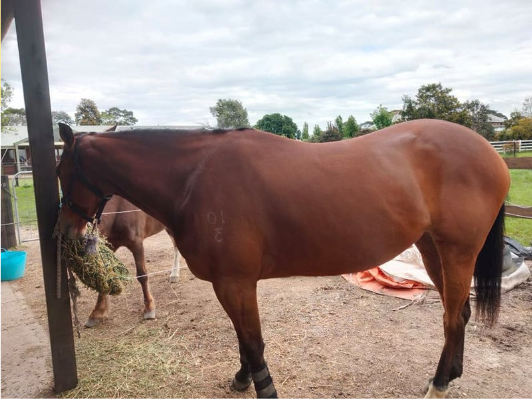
point(141, 170)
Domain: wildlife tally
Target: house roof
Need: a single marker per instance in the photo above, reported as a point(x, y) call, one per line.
point(18, 135)
point(494, 119)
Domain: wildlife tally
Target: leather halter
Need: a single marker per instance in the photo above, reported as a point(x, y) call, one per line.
point(67, 199)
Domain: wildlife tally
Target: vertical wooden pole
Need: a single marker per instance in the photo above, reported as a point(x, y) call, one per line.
point(9, 238)
point(30, 36)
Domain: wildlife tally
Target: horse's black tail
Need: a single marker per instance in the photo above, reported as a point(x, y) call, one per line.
point(488, 271)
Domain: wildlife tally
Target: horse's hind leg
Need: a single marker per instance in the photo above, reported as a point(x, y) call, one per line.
point(457, 268)
point(239, 300)
point(174, 274)
point(431, 260)
point(137, 248)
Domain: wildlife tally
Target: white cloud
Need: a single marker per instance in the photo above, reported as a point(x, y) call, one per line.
point(169, 61)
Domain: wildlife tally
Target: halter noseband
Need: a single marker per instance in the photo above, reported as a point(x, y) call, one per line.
point(67, 199)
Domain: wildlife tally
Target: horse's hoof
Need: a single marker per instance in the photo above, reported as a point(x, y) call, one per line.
point(426, 387)
point(174, 279)
point(433, 392)
point(92, 322)
point(239, 386)
point(149, 314)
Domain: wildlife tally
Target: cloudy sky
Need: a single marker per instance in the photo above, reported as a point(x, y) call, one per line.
point(169, 61)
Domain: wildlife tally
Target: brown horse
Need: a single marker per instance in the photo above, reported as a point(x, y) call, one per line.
point(123, 224)
point(245, 205)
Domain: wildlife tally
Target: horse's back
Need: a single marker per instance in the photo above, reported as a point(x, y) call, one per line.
point(318, 209)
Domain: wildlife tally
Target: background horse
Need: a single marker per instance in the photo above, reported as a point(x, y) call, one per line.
point(123, 224)
point(245, 205)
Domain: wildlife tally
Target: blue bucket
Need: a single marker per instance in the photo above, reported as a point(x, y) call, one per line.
point(13, 264)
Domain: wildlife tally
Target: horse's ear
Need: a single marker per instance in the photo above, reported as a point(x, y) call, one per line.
point(111, 129)
point(66, 134)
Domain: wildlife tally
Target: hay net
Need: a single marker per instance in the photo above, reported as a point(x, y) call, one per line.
point(95, 264)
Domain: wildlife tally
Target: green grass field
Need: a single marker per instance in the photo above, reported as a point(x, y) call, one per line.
point(520, 154)
point(520, 229)
point(26, 200)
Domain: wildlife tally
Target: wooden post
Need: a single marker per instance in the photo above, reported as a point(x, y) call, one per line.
point(9, 237)
point(30, 36)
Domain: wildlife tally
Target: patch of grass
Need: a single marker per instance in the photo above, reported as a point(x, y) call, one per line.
point(520, 229)
point(521, 188)
point(518, 154)
point(26, 200)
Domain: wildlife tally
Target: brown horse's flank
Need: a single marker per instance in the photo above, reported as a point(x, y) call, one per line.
point(248, 205)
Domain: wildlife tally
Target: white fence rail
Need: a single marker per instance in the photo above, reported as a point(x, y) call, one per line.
point(509, 146)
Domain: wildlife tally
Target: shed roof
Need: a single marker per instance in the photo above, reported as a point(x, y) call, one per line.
point(18, 135)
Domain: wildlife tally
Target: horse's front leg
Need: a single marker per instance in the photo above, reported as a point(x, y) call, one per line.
point(100, 312)
point(142, 276)
point(242, 378)
point(239, 299)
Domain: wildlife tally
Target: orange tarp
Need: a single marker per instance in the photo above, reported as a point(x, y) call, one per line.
point(375, 280)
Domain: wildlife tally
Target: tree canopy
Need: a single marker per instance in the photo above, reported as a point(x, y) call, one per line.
point(381, 117)
point(331, 134)
point(115, 115)
point(279, 124)
point(527, 107)
point(351, 128)
point(230, 113)
point(7, 96)
point(87, 113)
point(435, 102)
point(304, 134)
point(62, 116)
point(14, 117)
point(477, 118)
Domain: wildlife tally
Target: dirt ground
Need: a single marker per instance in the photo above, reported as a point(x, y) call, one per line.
point(324, 339)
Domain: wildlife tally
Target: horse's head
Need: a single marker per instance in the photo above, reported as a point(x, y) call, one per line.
point(82, 200)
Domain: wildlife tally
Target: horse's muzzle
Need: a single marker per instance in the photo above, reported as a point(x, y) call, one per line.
point(72, 228)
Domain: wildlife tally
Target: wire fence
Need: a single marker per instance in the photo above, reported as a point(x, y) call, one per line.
point(23, 197)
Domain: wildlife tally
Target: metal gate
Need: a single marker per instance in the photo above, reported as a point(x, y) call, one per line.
point(24, 207)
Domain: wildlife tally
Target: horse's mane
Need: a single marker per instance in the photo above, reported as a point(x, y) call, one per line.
point(167, 131)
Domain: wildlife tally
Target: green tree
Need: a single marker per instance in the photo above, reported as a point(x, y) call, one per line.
point(305, 135)
point(351, 128)
point(62, 116)
point(382, 117)
point(316, 133)
point(515, 116)
point(278, 124)
point(87, 113)
point(435, 102)
point(339, 124)
point(115, 115)
point(7, 96)
point(230, 114)
point(522, 130)
point(15, 116)
point(331, 134)
point(478, 118)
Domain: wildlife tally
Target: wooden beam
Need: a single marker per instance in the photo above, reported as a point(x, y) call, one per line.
point(9, 237)
point(519, 212)
point(518, 162)
point(30, 36)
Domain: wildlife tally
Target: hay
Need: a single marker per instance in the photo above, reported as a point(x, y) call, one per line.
point(95, 264)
